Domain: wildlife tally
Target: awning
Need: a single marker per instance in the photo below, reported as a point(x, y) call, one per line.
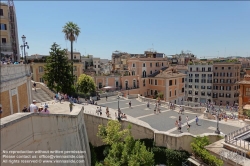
point(108, 87)
point(247, 107)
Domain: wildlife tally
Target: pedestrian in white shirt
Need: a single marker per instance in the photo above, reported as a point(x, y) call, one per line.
point(33, 108)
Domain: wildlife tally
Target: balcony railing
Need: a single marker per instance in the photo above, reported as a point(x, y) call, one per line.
point(232, 138)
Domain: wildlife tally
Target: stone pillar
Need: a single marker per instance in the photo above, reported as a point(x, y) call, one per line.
point(17, 95)
point(11, 106)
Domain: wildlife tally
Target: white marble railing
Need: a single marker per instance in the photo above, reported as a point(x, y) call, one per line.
point(11, 72)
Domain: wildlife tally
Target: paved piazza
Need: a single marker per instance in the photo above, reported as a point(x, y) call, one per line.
point(165, 121)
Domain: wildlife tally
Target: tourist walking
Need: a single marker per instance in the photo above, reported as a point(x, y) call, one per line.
point(33, 108)
point(179, 126)
point(188, 128)
point(155, 109)
point(180, 118)
point(196, 120)
point(187, 119)
point(148, 104)
point(176, 124)
point(106, 98)
point(71, 106)
point(159, 110)
point(34, 86)
point(107, 112)
point(100, 111)
point(129, 104)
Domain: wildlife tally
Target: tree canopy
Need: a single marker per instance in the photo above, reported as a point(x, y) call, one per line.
point(71, 31)
point(57, 70)
point(124, 150)
point(85, 84)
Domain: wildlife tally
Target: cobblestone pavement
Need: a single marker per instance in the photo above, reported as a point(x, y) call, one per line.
point(165, 121)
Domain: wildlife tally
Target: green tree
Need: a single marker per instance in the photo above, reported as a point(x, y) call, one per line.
point(198, 147)
point(57, 70)
point(124, 149)
point(85, 84)
point(71, 32)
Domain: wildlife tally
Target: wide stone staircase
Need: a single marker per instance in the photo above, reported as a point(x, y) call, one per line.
point(40, 95)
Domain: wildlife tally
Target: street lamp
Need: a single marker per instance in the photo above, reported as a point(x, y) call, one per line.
point(217, 131)
point(25, 44)
point(118, 97)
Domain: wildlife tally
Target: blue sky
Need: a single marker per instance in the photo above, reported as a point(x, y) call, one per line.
point(207, 29)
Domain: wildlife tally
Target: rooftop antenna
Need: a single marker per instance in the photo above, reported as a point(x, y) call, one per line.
point(153, 46)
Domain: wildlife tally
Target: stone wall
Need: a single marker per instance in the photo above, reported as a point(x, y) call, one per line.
point(30, 131)
point(15, 88)
point(92, 122)
point(180, 141)
point(140, 131)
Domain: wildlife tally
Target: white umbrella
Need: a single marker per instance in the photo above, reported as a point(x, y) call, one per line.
point(108, 87)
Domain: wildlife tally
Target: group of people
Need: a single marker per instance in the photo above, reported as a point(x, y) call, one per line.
point(178, 123)
point(171, 106)
point(120, 115)
point(9, 61)
point(35, 109)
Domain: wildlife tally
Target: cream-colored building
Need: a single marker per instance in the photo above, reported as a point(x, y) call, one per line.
point(76, 55)
point(8, 32)
point(37, 70)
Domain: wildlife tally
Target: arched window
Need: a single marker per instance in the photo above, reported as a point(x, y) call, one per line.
point(134, 83)
point(126, 84)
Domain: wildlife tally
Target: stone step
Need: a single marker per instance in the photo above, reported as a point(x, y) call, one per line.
point(40, 95)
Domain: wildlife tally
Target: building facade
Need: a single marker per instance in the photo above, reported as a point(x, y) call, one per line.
point(199, 83)
point(8, 32)
point(76, 55)
point(244, 96)
point(37, 70)
point(225, 78)
point(147, 76)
